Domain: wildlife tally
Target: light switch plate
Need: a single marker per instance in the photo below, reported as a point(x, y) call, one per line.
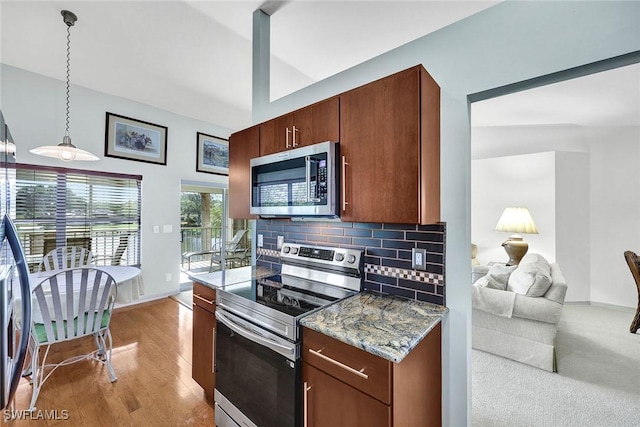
point(260, 241)
point(280, 242)
point(418, 259)
point(156, 229)
point(167, 228)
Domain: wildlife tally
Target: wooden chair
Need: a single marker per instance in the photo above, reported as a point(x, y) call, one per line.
point(68, 305)
point(634, 265)
point(66, 257)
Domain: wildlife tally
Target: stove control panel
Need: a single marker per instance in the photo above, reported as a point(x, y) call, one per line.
point(321, 255)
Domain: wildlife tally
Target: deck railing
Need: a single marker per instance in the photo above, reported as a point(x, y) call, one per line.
point(103, 244)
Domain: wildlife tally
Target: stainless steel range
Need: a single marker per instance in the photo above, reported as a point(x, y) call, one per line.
point(257, 357)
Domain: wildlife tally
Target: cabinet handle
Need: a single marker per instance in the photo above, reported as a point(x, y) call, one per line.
point(359, 373)
point(344, 183)
point(306, 403)
point(213, 352)
point(294, 136)
point(287, 137)
point(210, 302)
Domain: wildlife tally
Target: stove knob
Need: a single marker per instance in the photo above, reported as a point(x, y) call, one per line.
point(351, 259)
point(294, 250)
point(339, 257)
point(285, 249)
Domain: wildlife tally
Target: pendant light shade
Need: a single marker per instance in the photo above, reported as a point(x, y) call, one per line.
point(66, 150)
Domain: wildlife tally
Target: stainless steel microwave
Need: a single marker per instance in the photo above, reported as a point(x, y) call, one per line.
point(302, 182)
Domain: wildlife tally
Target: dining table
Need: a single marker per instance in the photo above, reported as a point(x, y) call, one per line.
point(128, 280)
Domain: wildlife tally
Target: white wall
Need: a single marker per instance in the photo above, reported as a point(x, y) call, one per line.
point(34, 107)
point(597, 209)
point(572, 223)
point(555, 188)
point(508, 43)
point(513, 181)
point(615, 213)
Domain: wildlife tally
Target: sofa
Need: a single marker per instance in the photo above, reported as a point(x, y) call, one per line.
point(516, 310)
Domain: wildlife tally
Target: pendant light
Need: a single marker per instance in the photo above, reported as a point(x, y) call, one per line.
point(66, 150)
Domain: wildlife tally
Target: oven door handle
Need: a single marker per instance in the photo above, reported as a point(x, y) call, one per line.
point(253, 336)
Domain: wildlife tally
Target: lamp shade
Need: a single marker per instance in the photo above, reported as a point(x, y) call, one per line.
point(516, 220)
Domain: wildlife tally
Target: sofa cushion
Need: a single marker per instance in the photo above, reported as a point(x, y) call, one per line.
point(497, 277)
point(532, 277)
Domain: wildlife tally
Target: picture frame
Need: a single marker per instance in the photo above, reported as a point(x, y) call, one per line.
point(132, 139)
point(212, 154)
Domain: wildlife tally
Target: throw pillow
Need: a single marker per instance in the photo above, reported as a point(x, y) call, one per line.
point(532, 277)
point(497, 277)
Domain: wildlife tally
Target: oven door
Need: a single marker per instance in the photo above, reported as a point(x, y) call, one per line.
point(256, 375)
point(298, 182)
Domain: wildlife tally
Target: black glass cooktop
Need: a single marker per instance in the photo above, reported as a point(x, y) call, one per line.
point(286, 294)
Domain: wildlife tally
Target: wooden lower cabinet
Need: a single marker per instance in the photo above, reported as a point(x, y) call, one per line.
point(345, 386)
point(330, 403)
point(204, 329)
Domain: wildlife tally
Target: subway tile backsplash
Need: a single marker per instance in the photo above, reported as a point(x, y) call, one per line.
point(387, 252)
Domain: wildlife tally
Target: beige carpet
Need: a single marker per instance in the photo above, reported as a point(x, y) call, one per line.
point(597, 384)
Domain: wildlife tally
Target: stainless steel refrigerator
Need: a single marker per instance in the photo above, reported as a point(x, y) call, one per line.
point(15, 298)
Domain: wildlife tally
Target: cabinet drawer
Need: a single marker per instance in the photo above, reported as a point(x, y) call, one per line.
point(204, 297)
point(364, 371)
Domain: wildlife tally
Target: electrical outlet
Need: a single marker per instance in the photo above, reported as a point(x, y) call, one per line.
point(280, 242)
point(419, 259)
point(260, 241)
point(156, 229)
point(167, 277)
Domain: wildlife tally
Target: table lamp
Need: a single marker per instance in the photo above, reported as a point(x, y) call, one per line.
point(516, 220)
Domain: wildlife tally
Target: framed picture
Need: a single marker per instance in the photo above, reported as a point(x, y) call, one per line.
point(131, 139)
point(212, 154)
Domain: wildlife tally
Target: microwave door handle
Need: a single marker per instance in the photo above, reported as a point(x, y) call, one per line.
point(307, 162)
point(251, 336)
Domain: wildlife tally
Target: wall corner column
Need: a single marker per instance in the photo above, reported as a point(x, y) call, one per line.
point(261, 69)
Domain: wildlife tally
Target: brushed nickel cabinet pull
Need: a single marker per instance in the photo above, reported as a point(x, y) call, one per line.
point(306, 403)
point(294, 135)
point(213, 352)
point(210, 302)
point(359, 373)
point(344, 183)
point(287, 137)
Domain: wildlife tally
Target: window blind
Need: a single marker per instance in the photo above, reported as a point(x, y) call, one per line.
point(68, 207)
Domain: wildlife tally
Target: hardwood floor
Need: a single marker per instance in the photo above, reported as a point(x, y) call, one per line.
point(152, 359)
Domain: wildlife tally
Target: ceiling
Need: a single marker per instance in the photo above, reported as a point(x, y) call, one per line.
point(194, 57)
point(609, 98)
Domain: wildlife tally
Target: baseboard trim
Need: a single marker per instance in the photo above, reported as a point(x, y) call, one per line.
point(153, 298)
point(603, 305)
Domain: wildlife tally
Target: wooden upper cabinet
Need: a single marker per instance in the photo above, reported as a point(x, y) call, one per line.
point(390, 143)
point(243, 146)
point(309, 125)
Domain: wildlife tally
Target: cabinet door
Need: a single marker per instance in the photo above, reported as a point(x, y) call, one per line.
point(276, 135)
point(317, 123)
point(203, 350)
point(380, 142)
point(328, 402)
point(243, 146)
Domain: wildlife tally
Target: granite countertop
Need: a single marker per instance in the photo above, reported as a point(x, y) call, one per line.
point(381, 324)
point(219, 279)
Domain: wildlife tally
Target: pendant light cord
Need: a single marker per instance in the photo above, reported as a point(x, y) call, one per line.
point(68, 74)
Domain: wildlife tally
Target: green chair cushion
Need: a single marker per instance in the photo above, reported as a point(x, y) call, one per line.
point(42, 333)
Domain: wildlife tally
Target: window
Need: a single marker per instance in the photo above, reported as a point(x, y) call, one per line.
point(68, 207)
